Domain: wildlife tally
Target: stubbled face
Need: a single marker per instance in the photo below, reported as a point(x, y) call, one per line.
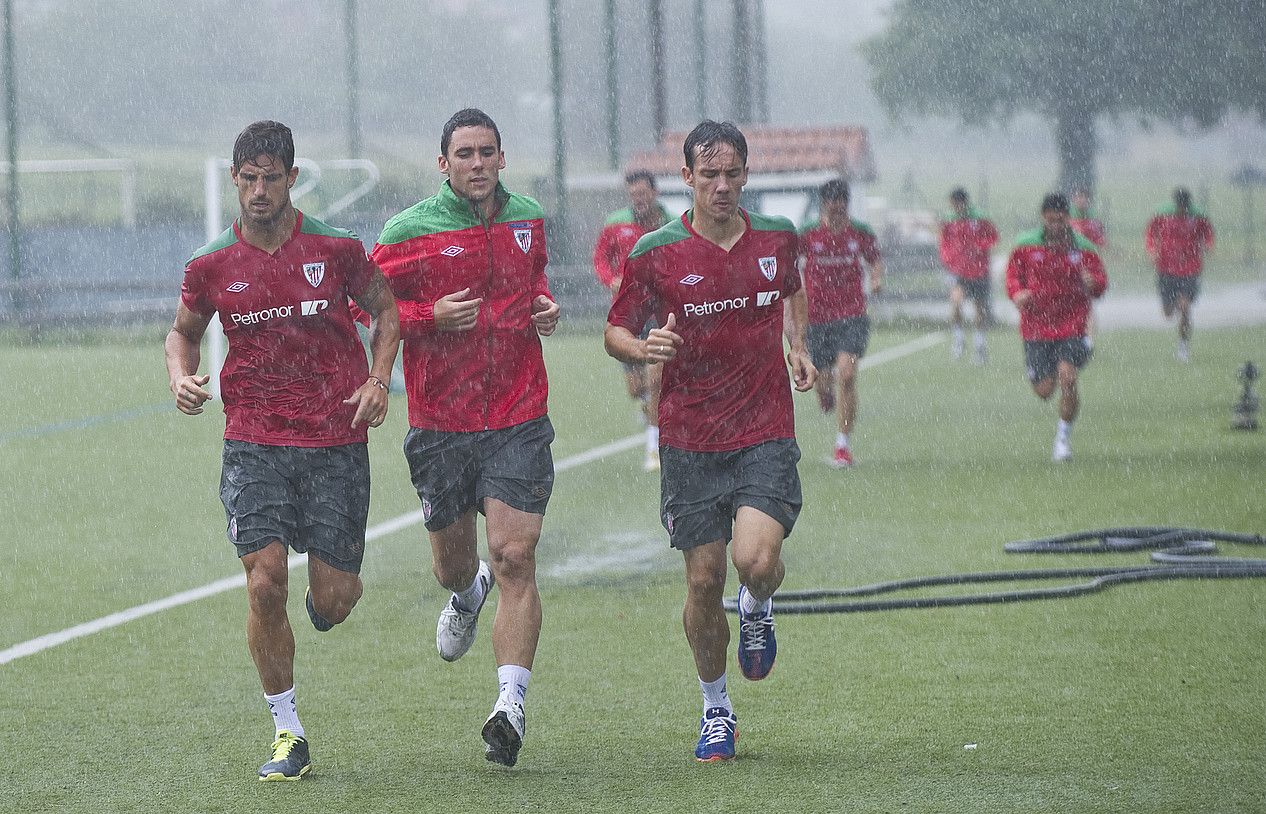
point(835, 211)
point(642, 197)
point(263, 189)
point(1055, 224)
point(473, 163)
point(717, 180)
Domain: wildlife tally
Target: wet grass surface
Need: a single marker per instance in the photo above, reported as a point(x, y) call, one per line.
point(1141, 698)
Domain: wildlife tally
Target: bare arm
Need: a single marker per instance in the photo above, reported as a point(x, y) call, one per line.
point(795, 314)
point(877, 276)
point(660, 345)
point(183, 349)
point(371, 397)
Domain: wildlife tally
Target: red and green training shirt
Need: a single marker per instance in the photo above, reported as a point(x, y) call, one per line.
point(619, 235)
point(965, 243)
point(833, 275)
point(294, 354)
point(492, 376)
point(1061, 299)
point(1179, 241)
point(728, 386)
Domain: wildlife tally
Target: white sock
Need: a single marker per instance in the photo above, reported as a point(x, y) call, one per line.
point(512, 681)
point(958, 334)
point(1063, 429)
point(282, 706)
point(980, 340)
point(470, 598)
point(715, 694)
point(841, 440)
point(652, 438)
point(750, 606)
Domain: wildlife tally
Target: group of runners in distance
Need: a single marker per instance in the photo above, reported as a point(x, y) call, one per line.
point(701, 307)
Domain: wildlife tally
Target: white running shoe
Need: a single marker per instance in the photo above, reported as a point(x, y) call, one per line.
point(1183, 353)
point(652, 461)
point(455, 632)
point(956, 346)
point(503, 732)
point(1062, 451)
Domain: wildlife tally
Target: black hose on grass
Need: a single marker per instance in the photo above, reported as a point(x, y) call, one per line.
point(1185, 555)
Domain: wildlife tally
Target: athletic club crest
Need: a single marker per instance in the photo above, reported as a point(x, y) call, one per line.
point(314, 273)
point(769, 267)
point(524, 238)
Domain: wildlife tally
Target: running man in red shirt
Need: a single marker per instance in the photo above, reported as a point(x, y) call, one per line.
point(1052, 276)
point(467, 267)
point(1177, 240)
point(723, 284)
point(298, 399)
point(832, 252)
point(615, 241)
point(966, 239)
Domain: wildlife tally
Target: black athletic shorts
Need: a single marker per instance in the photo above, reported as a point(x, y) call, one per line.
point(975, 290)
point(1171, 287)
point(454, 471)
point(827, 340)
point(1042, 358)
point(313, 499)
point(701, 491)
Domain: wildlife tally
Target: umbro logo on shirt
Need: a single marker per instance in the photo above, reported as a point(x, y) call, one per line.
point(453, 251)
point(691, 279)
point(238, 286)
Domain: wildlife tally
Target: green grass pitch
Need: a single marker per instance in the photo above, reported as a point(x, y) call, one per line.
point(1143, 698)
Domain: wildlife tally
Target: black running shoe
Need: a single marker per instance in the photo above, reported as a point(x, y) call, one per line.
point(290, 759)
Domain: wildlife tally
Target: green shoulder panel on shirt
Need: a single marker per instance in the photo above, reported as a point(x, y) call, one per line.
point(771, 223)
point(672, 232)
point(227, 238)
point(624, 215)
point(425, 217)
point(862, 227)
point(312, 226)
point(1171, 209)
point(1033, 237)
point(520, 207)
point(972, 213)
point(810, 226)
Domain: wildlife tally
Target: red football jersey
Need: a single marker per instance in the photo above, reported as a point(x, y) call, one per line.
point(1179, 242)
point(618, 237)
point(294, 354)
point(965, 244)
point(1061, 299)
point(833, 276)
point(728, 387)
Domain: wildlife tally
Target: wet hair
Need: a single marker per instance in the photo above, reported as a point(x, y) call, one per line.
point(959, 194)
point(264, 138)
point(467, 117)
point(834, 190)
point(640, 175)
point(708, 135)
point(1182, 198)
point(1055, 202)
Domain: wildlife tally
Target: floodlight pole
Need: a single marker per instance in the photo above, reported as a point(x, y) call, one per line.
point(353, 82)
point(701, 58)
point(556, 88)
point(613, 89)
point(742, 53)
point(657, 69)
point(11, 116)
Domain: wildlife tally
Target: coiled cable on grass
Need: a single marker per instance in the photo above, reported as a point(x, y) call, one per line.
point(1185, 554)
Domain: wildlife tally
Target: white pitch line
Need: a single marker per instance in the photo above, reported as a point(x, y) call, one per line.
point(49, 640)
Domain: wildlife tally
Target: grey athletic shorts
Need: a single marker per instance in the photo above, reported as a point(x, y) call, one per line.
point(313, 499)
point(1042, 358)
point(827, 340)
point(454, 471)
point(976, 290)
point(700, 492)
point(1171, 287)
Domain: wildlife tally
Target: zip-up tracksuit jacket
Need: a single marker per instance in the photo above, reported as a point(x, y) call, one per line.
point(1061, 298)
point(492, 376)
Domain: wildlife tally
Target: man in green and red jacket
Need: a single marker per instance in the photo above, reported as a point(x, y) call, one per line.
point(966, 239)
point(467, 267)
point(1177, 239)
point(1052, 276)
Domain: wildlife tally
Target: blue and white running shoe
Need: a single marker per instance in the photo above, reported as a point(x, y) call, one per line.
point(757, 647)
point(718, 730)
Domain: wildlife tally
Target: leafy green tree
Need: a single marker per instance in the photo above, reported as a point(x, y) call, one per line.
point(1075, 62)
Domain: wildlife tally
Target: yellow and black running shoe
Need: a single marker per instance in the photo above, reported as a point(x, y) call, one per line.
point(290, 758)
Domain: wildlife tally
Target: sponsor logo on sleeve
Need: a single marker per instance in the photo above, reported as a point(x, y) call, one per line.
point(768, 267)
point(237, 287)
point(691, 279)
point(314, 273)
